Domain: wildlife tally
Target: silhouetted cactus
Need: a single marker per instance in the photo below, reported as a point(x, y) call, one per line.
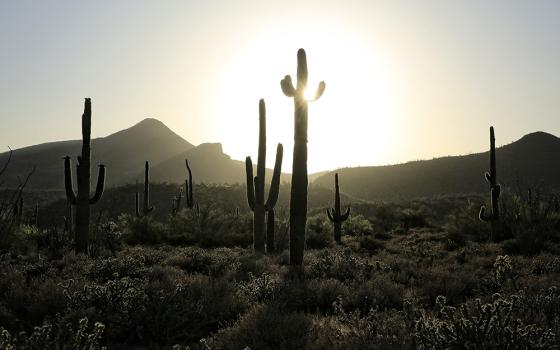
point(189, 187)
point(255, 186)
point(495, 190)
point(146, 208)
point(298, 195)
point(335, 215)
point(82, 199)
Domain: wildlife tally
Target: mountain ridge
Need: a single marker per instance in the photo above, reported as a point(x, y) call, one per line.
point(530, 161)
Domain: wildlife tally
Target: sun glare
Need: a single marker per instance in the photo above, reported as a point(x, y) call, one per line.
point(309, 93)
point(354, 120)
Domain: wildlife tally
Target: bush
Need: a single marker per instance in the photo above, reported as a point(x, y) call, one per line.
point(357, 225)
point(371, 245)
point(51, 337)
point(144, 230)
point(319, 232)
point(265, 327)
point(476, 325)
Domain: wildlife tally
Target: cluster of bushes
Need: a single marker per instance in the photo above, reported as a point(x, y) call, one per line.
point(412, 294)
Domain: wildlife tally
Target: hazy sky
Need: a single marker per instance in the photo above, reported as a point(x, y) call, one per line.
point(405, 79)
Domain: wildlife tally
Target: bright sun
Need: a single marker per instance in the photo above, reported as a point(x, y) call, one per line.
point(353, 123)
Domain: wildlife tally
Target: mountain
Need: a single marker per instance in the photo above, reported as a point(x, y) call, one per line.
point(531, 162)
point(124, 154)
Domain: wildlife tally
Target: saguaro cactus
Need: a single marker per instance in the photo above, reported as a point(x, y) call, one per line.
point(335, 215)
point(495, 190)
point(189, 187)
point(82, 200)
point(298, 195)
point(255, 186)
point(146, 208)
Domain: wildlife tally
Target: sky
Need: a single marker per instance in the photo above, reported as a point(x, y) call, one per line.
point(406, 80)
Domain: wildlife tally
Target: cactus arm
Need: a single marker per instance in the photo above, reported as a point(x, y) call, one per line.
point(70, 195)
point(319, 92)
point(275, 183)
point(482, 214)
point(250, 185)
point(287, 86)
point(330, 214)
point(100, 185)
point(344, 216)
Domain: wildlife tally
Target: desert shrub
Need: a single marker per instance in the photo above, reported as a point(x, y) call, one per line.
point(545, 264)
point(340, 264)
point(414, 218)
point(531, 224)
point(476, 325)
point(265, 327)
point(327, 291)
point(189, 311)
point(260, 288)
point(373, 329)
point(464, 225)
point(357, 225)
point(386, 217)
point(144, 230)
point(370, 244)
point(319, 233)
point(53, 337)
point(210, 227)
point(214, 262)
point(129, 265)
point(454, 282)
point(501, 273)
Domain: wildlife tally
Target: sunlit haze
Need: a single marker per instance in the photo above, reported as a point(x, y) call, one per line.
point(405, 79)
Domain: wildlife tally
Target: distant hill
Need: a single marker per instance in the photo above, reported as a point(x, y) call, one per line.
point(124, 154)
point(532, 161)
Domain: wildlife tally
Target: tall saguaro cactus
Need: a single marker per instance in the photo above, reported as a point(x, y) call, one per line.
point(189, 187)
point(146, 208)
point(495, 190)
point(82, 199)
point(335, 215)
point(298, 195)
point(255, 186)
